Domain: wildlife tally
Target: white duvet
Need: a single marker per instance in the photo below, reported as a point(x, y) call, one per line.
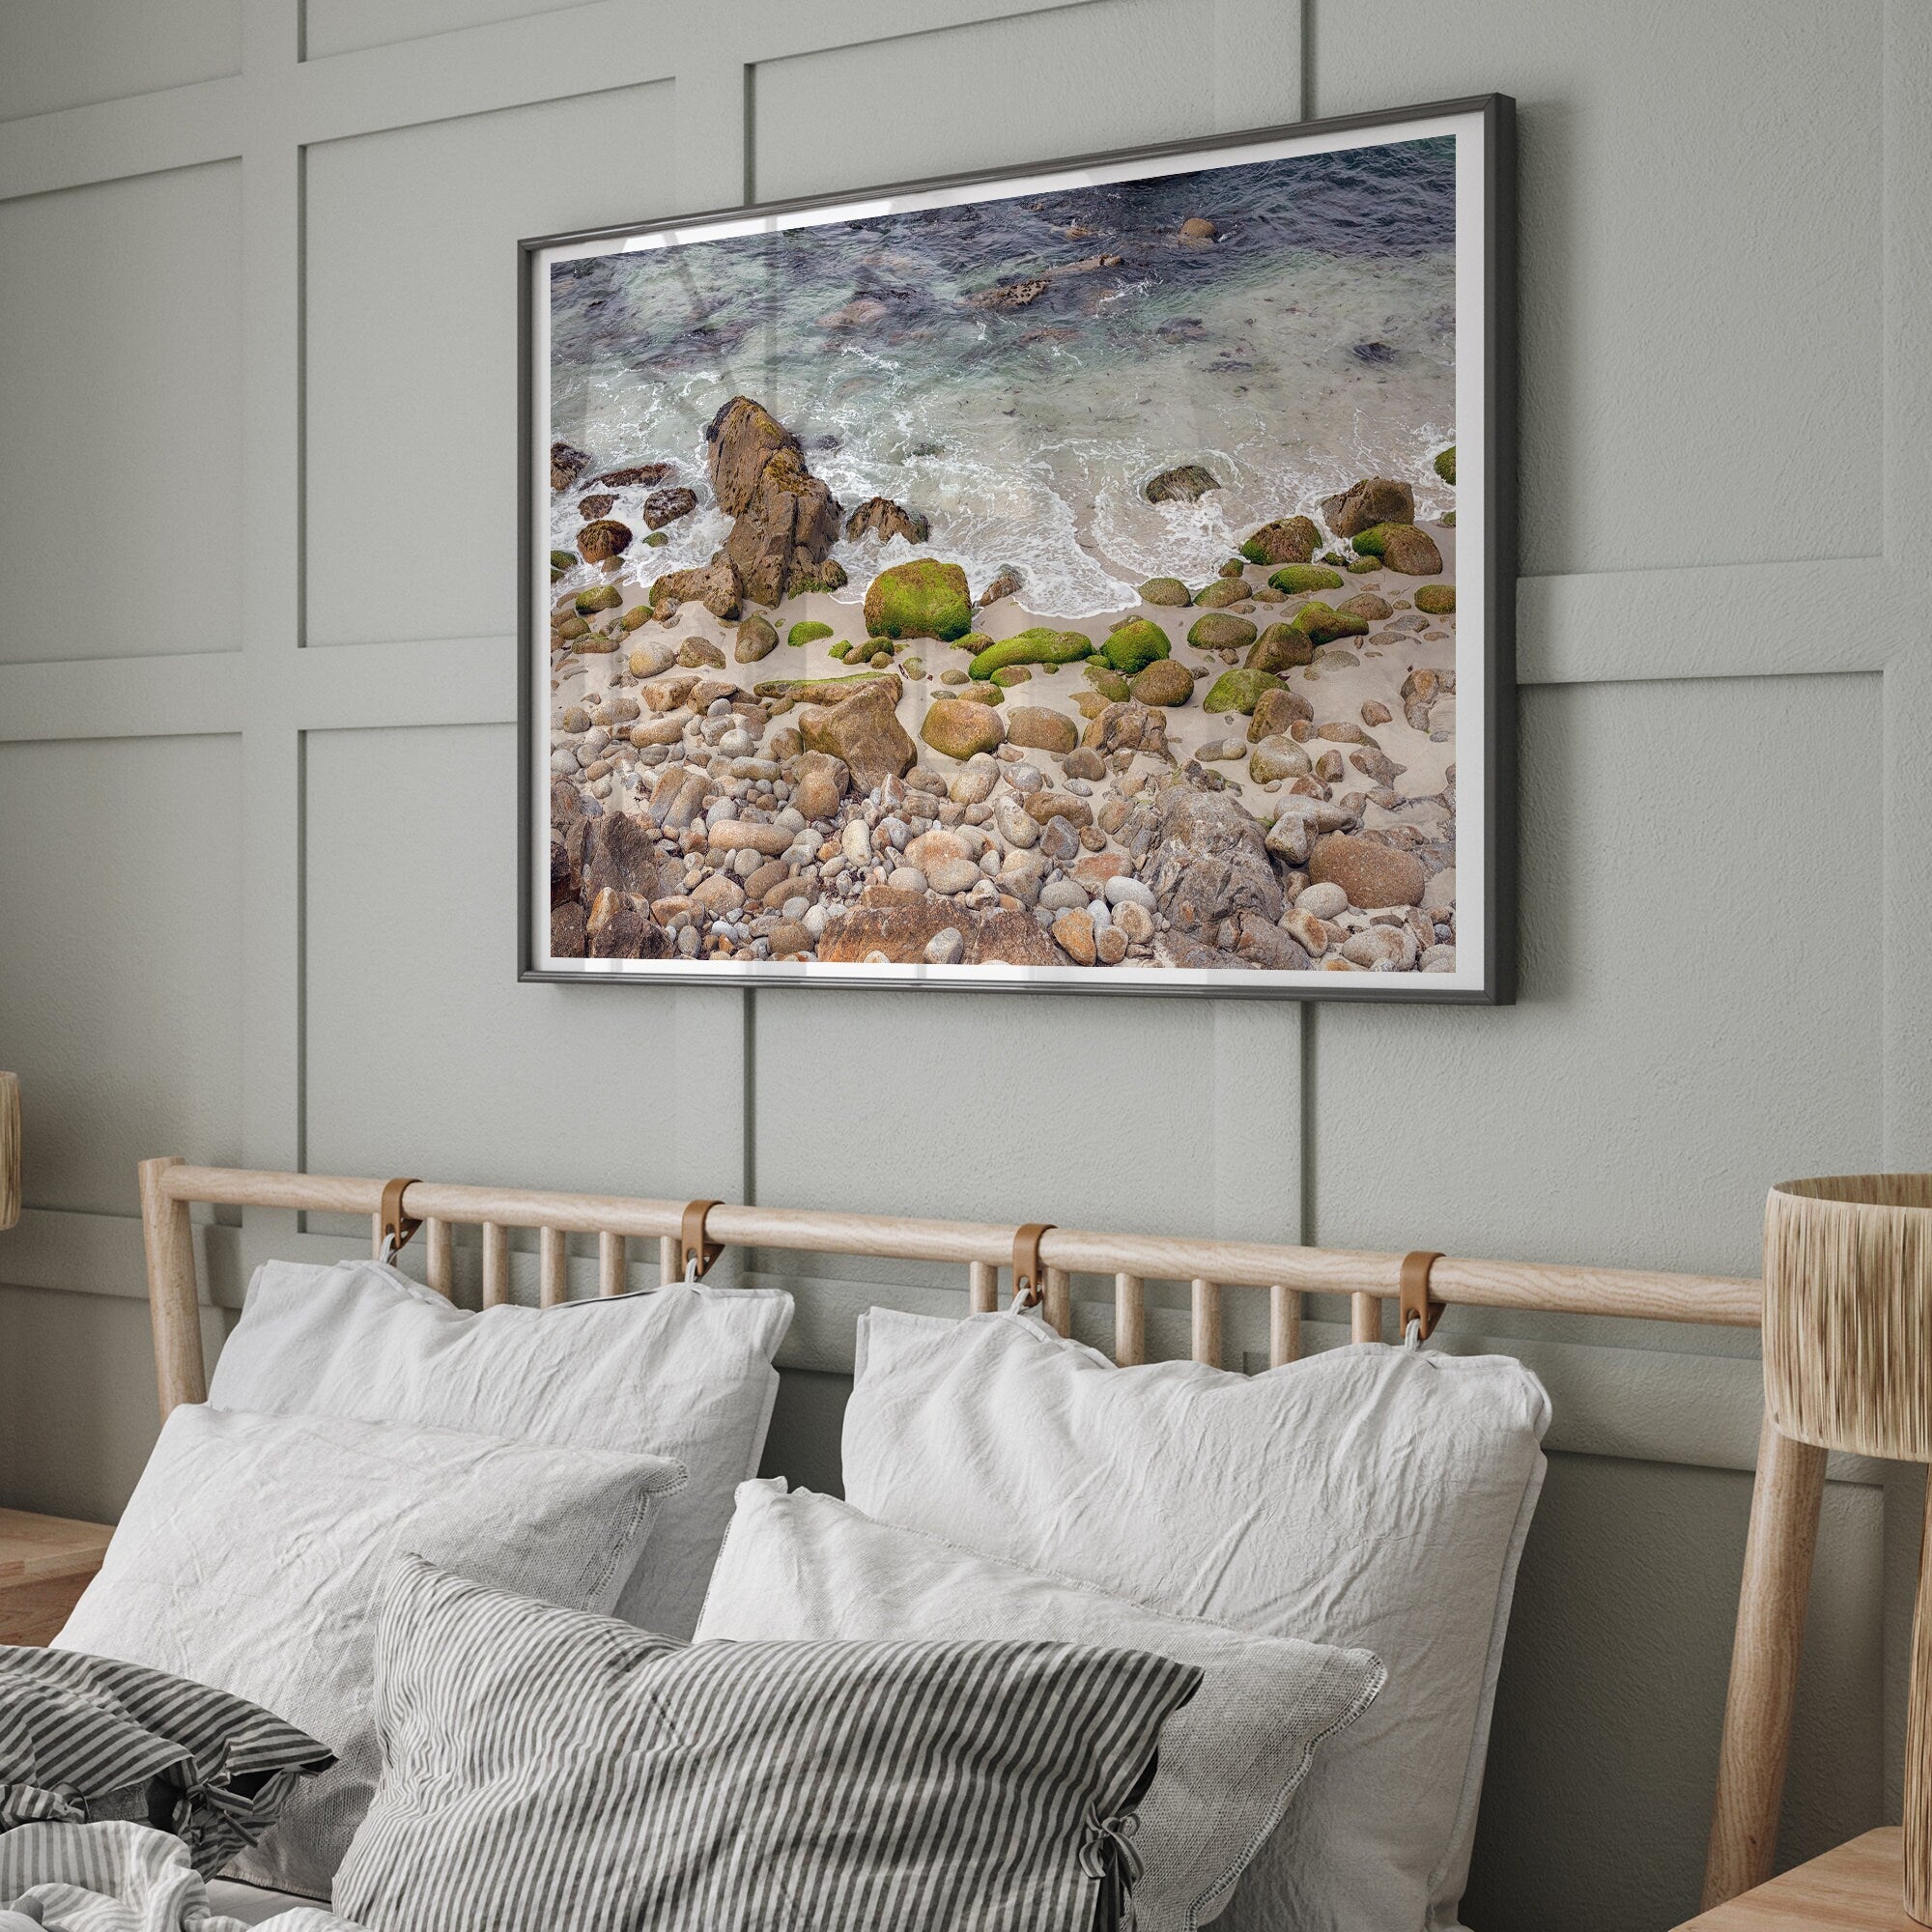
point(118, 1878)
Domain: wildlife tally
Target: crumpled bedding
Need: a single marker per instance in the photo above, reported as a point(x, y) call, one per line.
point(119, 1877)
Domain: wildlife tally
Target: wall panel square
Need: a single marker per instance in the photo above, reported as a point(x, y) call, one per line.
point(73, 53)
point(1701, 263)
point(424, 1054)
point(343, 26)
point(121, 959)
point(1066, 80)
point(412, 348)
point(1700, 1003)
point(120, 418)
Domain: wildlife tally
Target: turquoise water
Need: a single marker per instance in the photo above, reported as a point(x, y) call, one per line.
point(1311, 343)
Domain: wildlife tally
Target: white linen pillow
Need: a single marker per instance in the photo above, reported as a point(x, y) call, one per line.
point(1374, 1496)
point(684, 1371)
point(806, 1567)
point(252, 1553)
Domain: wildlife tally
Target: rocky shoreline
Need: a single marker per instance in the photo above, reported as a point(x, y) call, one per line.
point(1255, 774)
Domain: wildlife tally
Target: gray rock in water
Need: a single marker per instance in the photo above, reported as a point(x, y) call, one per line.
point(1182, 484)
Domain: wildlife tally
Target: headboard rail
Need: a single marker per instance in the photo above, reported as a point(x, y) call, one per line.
point(1790, 1478)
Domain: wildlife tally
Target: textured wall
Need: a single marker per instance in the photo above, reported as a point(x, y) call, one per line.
point(257, 685)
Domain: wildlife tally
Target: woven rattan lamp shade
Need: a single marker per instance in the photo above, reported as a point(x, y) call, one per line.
point(1848, 1365)
point(10, 1150)
point(1848, 1313)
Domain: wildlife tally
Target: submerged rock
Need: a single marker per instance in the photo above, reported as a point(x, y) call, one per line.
point(566, 465)
point(666, 506)
point(636, 476)
point(1182, 484)
point(604, 539)
point(884, 519)
point(1006, 583)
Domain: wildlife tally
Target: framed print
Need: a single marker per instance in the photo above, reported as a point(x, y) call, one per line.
point(1096, 578)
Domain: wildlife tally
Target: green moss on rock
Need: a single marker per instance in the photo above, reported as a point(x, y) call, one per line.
point(1438, 599)
point(1038, 645)
point(1298, 577)
point(1445, 464)
point(1135, 645)
point(562, 559)
point(606, 597)
point(1219, 632)
point(842, 648)
point(1323, 624)
point(1286, 540)
point(1222, 591)
point(1106, 680)
point(808, 631)
point(1169, 591)
point(920, 599)
point(1009, 675)
point(1239, 691)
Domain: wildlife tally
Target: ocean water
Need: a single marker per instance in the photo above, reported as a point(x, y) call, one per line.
point(1311, 343)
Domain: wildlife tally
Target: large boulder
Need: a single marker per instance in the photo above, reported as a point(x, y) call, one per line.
point(1203, 854)
point(864, 731)
point(884, 519)
point(1373, 874)
point(960, 730)
point(1042, 728)
point(788, 519)
point(718, 586)
point(566, 465)
point(666, 506)
point(903, 933)
point(616, 852)
point(1286, 540)
point(619, 928)
point(920, 599)
point(599, 541)
point(1374, 499)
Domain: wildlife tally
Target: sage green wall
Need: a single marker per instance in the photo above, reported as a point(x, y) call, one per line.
point(257, 435)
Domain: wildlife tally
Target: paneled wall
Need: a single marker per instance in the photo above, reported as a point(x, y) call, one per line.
point(257, 443)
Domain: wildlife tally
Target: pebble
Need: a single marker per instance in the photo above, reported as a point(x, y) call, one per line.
point(1325, 901)
point(1073, 933)
point(1132, 920)
point(1123, 890)
point(906, 879)
point(954, 875)
point(1063, 895)
point(1026, 778)
point(946, 948)
point(1110, 946)
point(855, 842)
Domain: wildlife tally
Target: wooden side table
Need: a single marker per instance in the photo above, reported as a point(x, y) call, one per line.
point(45, 1563)
point(1858, 1888)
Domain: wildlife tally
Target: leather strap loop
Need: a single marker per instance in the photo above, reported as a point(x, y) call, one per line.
point(695, 1248)
point(1028, 1278)
point(1418, 1305)
point(395, 1225)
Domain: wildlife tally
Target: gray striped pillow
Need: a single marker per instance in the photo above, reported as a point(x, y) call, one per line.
point(85, 1738)
point(551, 1770)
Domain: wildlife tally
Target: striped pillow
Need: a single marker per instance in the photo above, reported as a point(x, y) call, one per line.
point(85, 1738)
point(550, 1771)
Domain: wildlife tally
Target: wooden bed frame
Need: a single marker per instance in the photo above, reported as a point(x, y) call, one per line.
point(1785, 1499)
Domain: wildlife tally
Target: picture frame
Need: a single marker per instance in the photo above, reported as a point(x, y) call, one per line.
point(655, 779)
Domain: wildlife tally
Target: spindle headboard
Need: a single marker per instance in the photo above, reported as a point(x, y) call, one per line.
point(1045, 1261)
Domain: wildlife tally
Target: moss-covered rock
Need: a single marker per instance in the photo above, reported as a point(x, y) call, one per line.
point(1369, 542)
point(1281, 647)
point(1135, 645)
point(981, 691)
point(1411, 551)
point(842, 648)
point(656, 540)
point(606, 597)
point(974, 642)
point(1239, 691)
point(1219, 632)
point(1106, 680)
point(604, 539)
point(1009, 675)
point(808, 631)
point(1038, 645)
point(1286, 540)
point(1445, 464)
point(562, 559)
point(1298, 577)
point(823, 689)
point(1168, 591)
point(1438, 599)
point(637, 617)
point(1361, 566)
point(1234, 567)
point(1323, 624)
point(1449, 519)
point(1222, 591)
point(920, 599)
